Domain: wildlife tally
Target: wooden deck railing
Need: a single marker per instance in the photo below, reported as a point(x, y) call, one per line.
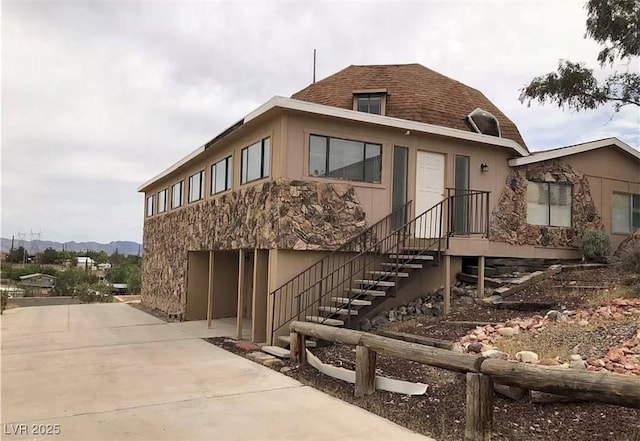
point(481, 373)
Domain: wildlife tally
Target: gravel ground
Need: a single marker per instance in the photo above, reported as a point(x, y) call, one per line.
point(440, 413)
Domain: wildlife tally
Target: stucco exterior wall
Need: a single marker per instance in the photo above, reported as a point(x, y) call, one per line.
point(376, 198)
point(282, 214)
point(509, 217)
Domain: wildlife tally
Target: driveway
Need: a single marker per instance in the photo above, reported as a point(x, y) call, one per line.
point(112, 372)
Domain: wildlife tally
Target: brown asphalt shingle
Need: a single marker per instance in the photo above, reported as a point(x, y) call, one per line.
point(414, 92)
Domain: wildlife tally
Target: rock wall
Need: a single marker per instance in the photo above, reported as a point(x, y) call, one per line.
point(280, 214)
point(509, 217)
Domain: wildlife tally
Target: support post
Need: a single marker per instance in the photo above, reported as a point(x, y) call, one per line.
point(240, 311)
point(480, 277)
point(365, 371)
point(447, 284)
point(298, 348)
point(479, 419)
point(210, 291)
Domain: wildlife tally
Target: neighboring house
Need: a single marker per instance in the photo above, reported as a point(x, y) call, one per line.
point(119, 288)
point(38, 283)
point(86, 263)
point(420, 167)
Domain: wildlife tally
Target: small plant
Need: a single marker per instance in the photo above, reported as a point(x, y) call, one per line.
point(595, 245)
point(93, 293)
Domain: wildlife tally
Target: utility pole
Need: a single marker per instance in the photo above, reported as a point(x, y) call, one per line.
point(314, 65)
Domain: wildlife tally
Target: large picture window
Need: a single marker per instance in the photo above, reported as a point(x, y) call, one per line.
point(345, 159)
point(150, 206)
point(162, 201)
point(626, 212)
point(221, 175)
point(549, 204)
point(255, 161)
point(196, 186)
point(176, 194)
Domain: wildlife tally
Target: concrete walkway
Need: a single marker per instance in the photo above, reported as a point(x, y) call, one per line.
point(110, 371)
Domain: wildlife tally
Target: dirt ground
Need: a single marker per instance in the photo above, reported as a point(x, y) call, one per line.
point(440, 413)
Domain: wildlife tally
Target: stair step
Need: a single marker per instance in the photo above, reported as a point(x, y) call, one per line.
point(389, 273)
point(367, 292)
point(340, 311)
point(324, 320)
point(370, 282)
point(354, 302)
point(427, 249)
point(287, 340)
point(411, 256)
point(277, 351)
point(402, 265)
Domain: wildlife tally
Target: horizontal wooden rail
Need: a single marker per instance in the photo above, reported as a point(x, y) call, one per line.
point(621, 390)
point(482, 373)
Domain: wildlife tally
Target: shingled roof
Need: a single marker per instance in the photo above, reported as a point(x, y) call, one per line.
point(414, 92)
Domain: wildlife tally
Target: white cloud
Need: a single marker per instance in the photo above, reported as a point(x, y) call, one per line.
point(99, 96)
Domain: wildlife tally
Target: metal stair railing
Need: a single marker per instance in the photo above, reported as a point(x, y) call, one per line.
point(284, 305)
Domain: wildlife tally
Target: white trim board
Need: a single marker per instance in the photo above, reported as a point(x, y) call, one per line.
point(352, 115)
point(561, 152)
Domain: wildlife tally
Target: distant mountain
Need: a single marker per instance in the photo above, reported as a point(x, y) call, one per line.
point(123, 246)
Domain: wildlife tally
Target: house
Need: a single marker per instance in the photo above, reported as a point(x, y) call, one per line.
point(86, 263)
point(39, 283)
point(362, 191)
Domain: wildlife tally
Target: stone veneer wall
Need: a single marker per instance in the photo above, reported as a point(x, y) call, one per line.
point(283, 214)
point(509, 217)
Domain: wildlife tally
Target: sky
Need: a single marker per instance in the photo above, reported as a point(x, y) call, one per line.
point(100, 96)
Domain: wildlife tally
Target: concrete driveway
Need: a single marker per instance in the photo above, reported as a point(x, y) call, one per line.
point(112, 372)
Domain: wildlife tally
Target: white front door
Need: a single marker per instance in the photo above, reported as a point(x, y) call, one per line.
point(429, 191)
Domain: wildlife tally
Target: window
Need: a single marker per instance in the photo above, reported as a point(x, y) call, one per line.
point(162, 201)
point(176, 194)
point(255, 161)
point(483, 122)
point(221, 175)
point(626, 212)
point(549, 204)
point(369, 103)
point(344, 159)
point(150, 206)
point(196, 186)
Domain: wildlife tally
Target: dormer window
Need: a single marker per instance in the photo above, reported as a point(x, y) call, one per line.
point(484, 122)
point(370, 101)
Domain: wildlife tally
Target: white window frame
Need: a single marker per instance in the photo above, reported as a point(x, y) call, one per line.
point(181, 194)
point(632, 208)
point(162, 206)
point(150, 206)
point(550, 206)
point(265, 161)
point(196, 197)
point(227, 165)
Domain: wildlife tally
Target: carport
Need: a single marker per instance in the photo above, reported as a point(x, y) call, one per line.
point(229, 284)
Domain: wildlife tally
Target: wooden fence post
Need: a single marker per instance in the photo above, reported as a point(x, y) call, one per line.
point(479, 419)
point(365, 371)
point(298, 348)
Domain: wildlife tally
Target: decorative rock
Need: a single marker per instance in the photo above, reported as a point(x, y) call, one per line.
point(548, 362)
point(575, 357)
point(583, 322)
point(366, 325)
point(496, 354)
point(527, 357)
point(247, 346)
point(577, 364)
point(475, 347)
point(273, 363)
point(507, 332)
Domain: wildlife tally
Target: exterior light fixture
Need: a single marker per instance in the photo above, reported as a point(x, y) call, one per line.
point(484, 167)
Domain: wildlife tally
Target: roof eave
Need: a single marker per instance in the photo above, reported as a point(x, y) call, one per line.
point(562, 152)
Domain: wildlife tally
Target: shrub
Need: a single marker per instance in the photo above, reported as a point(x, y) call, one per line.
point(595, 245)
point(4, 298)
point(629, 255)
point(92, 293)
